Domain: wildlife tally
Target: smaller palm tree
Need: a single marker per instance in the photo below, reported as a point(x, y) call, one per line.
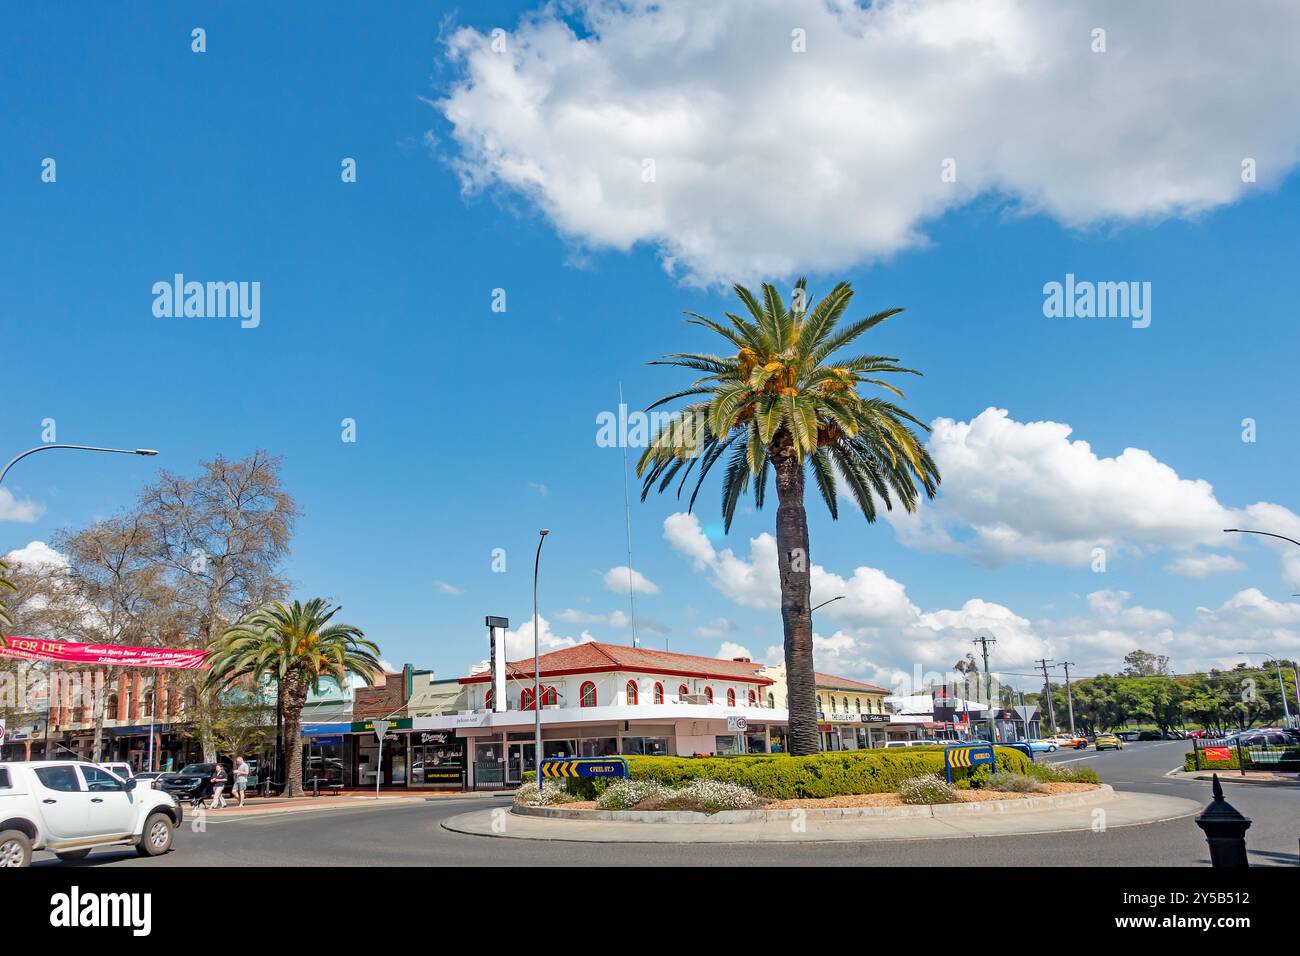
point(5, 585)
point(296, 646)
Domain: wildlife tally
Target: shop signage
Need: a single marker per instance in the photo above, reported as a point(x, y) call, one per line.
point(442, 774)
point(368, 726)
point(875, 718)
point(585, 768)
point(33, 649)
point(434, 737)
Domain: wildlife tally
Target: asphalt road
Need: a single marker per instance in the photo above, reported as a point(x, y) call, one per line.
point(410, 835)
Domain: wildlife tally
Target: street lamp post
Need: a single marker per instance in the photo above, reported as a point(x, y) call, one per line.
point(1286, 709)
point(148, 452)
point(838, 597)
point(1281, 684)
point(537, 672)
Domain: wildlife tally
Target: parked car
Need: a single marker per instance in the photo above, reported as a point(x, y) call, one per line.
point(193, 782)
point(1128, 736)
point(147, 778)
point(1109, 742)
point(1046, 745)
point(121, 768)
point(70, 807)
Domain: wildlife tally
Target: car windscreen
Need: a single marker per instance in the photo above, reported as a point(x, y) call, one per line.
point(203, 769)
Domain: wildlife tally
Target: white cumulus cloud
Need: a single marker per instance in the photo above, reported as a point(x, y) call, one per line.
point(747, 138)
point(25, 511)
point(616, 580)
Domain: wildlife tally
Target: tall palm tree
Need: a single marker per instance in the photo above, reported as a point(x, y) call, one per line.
point(5, 585)
point(782, 404)
point(296, 646)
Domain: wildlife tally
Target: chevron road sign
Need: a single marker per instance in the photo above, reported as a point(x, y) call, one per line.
point(557, 768)
point(966, 757)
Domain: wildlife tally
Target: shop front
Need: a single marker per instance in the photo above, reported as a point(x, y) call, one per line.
point(349, 756)
point(854, 731)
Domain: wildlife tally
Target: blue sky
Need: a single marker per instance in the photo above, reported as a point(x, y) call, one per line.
point(475, 427)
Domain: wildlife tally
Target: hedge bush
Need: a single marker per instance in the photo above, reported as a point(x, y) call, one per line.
point(783, 777)
point(1232, 763)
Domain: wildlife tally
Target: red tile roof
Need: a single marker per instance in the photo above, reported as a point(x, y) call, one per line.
point(593, 656)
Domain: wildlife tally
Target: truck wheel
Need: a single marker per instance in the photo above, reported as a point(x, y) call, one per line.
point(15, 848)
point(157, 836)
point(69, 856)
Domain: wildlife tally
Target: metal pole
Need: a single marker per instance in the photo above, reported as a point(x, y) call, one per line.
point(149, 452)
point(1047, 691)
point(537, 672)
point(1069, 697)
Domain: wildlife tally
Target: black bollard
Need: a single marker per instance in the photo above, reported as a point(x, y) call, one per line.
point(1225, 830)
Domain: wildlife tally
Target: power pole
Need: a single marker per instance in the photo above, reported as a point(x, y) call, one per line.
point(1047, 692)
point(1068, 696)
point(984, 642)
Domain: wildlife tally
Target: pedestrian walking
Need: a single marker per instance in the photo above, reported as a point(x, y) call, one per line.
point(219, 781)
point(242, 770)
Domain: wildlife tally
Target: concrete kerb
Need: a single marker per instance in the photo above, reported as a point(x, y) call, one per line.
point(1087, 797)
point(1104, 811)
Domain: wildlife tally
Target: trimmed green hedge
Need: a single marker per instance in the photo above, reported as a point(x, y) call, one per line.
point(1232, 763)
point(783, 777)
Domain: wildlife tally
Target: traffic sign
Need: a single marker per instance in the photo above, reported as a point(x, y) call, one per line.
point(586, 768)
point(737, 724)
point(975, 755)
point(2, 730)
point(381, 728)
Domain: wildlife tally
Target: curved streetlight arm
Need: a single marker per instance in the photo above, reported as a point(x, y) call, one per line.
point(824, 603)
point(149, 452)
point(1267, 534)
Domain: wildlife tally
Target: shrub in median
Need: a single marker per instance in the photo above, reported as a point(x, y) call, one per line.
point(1013, 783)
point(927, 788)
point(702, 796)
point(551, 795)
point(833, 774)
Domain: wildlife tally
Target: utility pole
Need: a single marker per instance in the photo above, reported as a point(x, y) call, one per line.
point(1068, 696)
point(1047, 692)
point(984, 641)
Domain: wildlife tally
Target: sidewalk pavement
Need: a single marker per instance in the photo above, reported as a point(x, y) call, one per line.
point(273, 806)
point(1119, 810)
point(1236, 776)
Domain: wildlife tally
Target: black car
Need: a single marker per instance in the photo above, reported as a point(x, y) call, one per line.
point(193, 782)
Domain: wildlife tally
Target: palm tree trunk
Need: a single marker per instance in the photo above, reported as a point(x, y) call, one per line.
point(295, 699)
point(796, 583)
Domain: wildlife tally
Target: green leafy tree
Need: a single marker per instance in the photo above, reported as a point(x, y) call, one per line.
point(5, 585)
point(783, 403)
point(295, 646)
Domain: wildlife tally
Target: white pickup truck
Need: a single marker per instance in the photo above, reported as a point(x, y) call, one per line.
point(70, 807)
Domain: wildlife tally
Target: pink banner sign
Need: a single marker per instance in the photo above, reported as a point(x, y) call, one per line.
point(115, 655)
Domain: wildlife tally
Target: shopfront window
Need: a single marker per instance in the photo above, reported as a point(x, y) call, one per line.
point(559, 748)
point(599, 746)
point(756, 743)
point(489, 764)
point(437, 759)
point(730, 744)
point(649, 746)
point(325, 762)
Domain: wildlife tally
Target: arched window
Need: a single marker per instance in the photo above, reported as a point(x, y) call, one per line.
point(708, 694)
point(857, 702)
point(191, 699)
point(110, 709)
point(587, 695)
point(633, 693)
point(148, 703)
point(487, 701)
point(526, 699)
point(682, 692)
point(549, 697)
point(659, 693)
point(846, 704)
point(753, 699)
point(771, 700)
point(731, 697)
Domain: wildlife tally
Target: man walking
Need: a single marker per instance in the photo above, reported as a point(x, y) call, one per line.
point(242, 770)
